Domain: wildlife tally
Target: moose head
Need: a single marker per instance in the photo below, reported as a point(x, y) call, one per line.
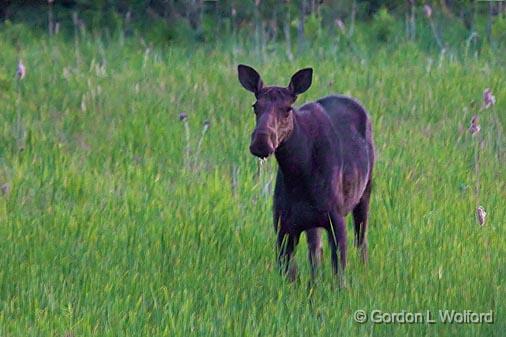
point(273, 108)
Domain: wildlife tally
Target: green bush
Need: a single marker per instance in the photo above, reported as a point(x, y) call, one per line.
point(383, 25)
point(178, 31)
point(499, 30)
point(312, 27)
point(17, 34)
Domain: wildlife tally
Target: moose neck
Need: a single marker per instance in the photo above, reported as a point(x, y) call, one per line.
point(293, 154)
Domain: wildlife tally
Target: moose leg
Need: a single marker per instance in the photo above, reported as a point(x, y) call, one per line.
point(315, 249)
point(360, 216)
point(337, 241)
point(286, 245)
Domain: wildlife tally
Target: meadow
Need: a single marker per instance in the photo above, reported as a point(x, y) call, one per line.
point(119, 219)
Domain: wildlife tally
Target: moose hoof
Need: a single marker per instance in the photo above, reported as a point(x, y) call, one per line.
point(342, 282)
point(364, 253)
point(292, 272)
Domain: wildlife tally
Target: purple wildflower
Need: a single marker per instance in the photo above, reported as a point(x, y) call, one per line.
point(5, 188)
point(21, 70)
point(427, 9)
point(475, 125)
point(183, 116)
point(340, 25)
point(488, 98)
point(481, 215)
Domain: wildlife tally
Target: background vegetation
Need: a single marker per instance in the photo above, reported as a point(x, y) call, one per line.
point(119, 216)
point(265, 20)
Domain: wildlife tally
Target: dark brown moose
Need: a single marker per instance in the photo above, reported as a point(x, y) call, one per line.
point(325, 154)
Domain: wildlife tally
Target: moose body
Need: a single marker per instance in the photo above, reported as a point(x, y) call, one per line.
point(325, 154)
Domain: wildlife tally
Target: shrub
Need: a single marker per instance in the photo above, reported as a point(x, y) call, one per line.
point(499, 30)
point(383, 25)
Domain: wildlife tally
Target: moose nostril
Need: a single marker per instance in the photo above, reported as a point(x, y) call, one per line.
point(261, 149)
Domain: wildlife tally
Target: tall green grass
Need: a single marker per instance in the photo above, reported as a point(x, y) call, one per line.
point(106, 229)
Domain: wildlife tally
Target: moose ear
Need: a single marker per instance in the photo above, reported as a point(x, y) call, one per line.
point(301, 81)
point(249, 78)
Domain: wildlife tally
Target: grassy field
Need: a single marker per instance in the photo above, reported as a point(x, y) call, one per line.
point(114, 221)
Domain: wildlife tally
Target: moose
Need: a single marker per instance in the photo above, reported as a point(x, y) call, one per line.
point(325, 155)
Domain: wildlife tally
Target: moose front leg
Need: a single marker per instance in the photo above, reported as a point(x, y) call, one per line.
point(286, 244)
point(315, 250)
point(337, 240)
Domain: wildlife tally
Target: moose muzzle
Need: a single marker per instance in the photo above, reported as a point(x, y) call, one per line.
point(261, 144)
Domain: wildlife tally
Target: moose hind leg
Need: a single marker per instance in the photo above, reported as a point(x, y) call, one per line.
point(315, 249)
point(360, 219)
point(337, 241)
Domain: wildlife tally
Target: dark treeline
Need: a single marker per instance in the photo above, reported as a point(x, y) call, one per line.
point(202, 20)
